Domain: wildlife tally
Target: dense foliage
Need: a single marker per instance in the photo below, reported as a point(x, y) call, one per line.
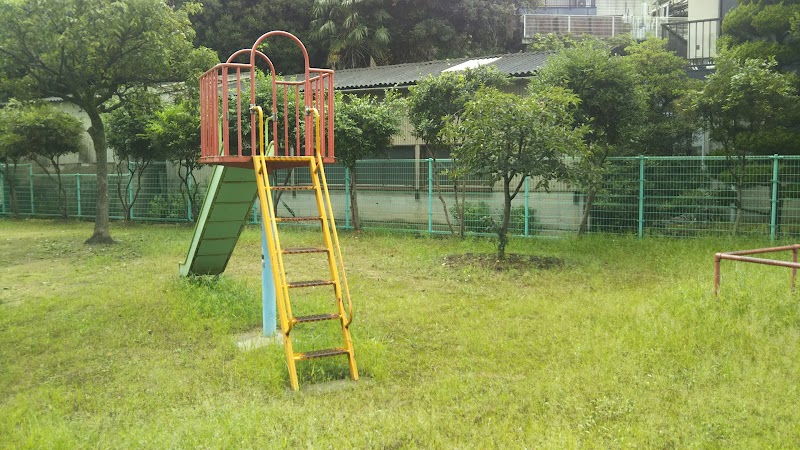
point(356, 33)
point(92, 53)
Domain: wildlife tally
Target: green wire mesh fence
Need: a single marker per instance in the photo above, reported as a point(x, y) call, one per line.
point(642, 196)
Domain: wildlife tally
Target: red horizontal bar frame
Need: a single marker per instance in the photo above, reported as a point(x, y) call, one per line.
point(741, 255)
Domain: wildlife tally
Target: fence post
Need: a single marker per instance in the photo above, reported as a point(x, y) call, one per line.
point(430, 195)
point(78, 192)
point(346, 198)
point(30, 182)
point(2, 193)
point(527, 211)
point(773, 217)
point(641, 196)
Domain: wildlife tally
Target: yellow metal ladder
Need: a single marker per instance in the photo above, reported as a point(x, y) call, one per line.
point(335, 275)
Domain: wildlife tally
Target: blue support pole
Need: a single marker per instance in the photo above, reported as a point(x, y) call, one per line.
point(430, 195)
point(268, 297)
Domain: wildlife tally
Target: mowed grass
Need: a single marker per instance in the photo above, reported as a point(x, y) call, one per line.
point(623, 346)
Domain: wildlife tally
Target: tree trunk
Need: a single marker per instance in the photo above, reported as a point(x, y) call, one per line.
point(502, 231)
point(354, 200)
point(102, 233)
point(62, 193)
point(11, 178)
point(439, 192)
point(583, 228)
point(738, 203)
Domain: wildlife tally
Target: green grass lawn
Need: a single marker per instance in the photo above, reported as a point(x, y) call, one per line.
point(623, 346)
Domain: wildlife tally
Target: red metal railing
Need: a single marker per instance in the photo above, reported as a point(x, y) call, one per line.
point(229, 91)
point(741, 256)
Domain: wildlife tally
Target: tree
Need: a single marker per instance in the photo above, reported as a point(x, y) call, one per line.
point(176, 131)
point(230, 25)
point(508, 138)
point(611, 104)
point(12, 150)
point(364, 127)
point(661, 74)
point(50, 133)
point(423, 30)
point(758, 29)
point(435, 101)
point(127, 135)
point(92, 53)
point(352, 31)
point(748, 108)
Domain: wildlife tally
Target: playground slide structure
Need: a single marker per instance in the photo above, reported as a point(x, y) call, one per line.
point(298, 125)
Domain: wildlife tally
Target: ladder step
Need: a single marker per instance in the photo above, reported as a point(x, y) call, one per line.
point(301, 284)
point(315, 318)
point(299, 250)
point(320, 353)
point(297, 219)
point(293, 188)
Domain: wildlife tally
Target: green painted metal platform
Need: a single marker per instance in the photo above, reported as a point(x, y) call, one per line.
point(224, 214)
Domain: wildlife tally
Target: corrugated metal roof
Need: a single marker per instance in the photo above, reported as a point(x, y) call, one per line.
point(514, 64)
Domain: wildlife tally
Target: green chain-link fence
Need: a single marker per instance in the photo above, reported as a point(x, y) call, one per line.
point(674, 196)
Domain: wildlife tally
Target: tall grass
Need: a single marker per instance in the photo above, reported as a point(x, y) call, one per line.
point(623, 346)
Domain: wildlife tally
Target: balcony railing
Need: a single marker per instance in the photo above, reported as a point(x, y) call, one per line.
point(567, 4)
point(602, 26)
point(695, 40)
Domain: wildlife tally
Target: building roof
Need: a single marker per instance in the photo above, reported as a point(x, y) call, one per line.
point(514, 64)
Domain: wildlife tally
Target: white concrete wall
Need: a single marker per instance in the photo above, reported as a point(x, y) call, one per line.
point(703, 9)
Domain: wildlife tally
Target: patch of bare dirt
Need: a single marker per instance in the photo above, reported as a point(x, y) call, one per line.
point(512, 261)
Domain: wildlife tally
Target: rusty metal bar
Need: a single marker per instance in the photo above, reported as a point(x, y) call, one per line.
point(739, 255)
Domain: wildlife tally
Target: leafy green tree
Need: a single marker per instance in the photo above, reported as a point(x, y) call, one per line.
point(352, 31)
point(92, 53)
point(364, 127)
point(435, 101)
point(758, 29)
point(12, 150)
point(37, 131)
point(507, 138)
point(423, 30)
point(230, 25)
point(176, 131)
point(611, 104)
point(127, 135)
point(552, 42)
point(661, 74)
point(50, 133)
point(748, 108)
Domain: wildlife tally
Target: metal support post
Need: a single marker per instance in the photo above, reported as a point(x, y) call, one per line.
point(346, 198)
point(268, 297)
point(641, 197)
point(30, 182)
point(430, 195)
point(78, 193)
point(773, 217)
